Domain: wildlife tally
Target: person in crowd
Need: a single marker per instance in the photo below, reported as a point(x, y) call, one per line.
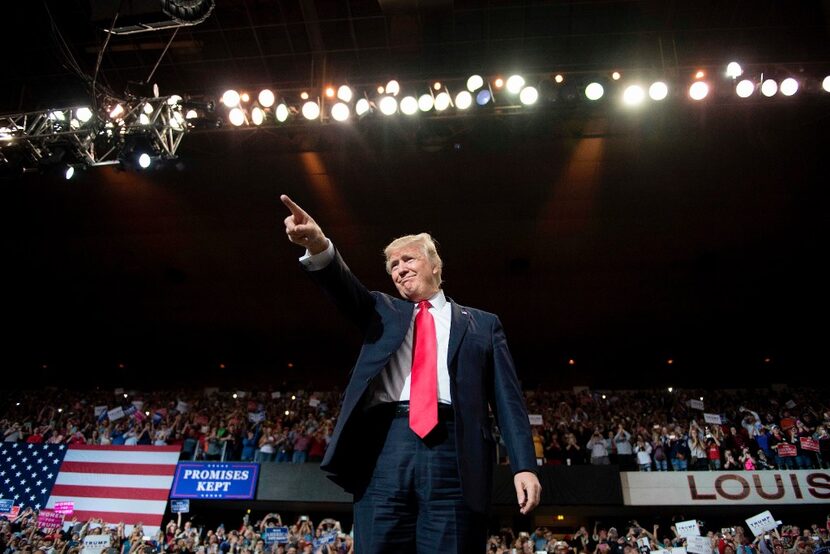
point(643, 451)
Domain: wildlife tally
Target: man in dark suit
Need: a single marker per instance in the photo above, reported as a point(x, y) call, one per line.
point(413, 442)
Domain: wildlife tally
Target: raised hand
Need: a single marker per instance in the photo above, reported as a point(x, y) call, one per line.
point(302, 229)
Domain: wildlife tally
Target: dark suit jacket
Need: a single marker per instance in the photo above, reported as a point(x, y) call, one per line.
point(481, 375)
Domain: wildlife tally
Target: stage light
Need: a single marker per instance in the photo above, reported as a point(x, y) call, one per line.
point(474, 83)
point(266, 98)
point(463, 100)
point(745, 88)
point(409, 105)
point(304, 95)
point(700, 74)
point(498, 83)
point(789, 86)
point(143, 119)
point(177, 121)
point(311, 110)
point(174, 99)
point(825, 84)
point(769, 88)
point(144, 160)
point(528, 96)
point(257, 115)
point(436, 85)
point(244, 97)
point(515, 84)
point(83, 114)
point(380, 89)
point(388, 105)
point(116, 111)
point(442, 101)
point(362, 107)
point(282, 113)
point(329, 92)
point(57, 115)
point(670, 389)
point(236, 116)
point(393, 87)
point(148, 108)
point(483, 97)
point(230, 98)
point(698, 90)
point(559, 78)
point(191, 114)
point(658, 91)
point(425, 102)
point(633, 95)
point(344, 93)
point(616, 75)
point(69, 172)
point(734, 70)
point(594, 91)
point(340, 111)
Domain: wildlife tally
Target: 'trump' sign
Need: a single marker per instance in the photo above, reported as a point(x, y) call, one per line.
point(215, 480)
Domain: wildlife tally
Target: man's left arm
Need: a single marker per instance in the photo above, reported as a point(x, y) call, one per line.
point(511, 415)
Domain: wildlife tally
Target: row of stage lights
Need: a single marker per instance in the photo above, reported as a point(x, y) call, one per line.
point(342, 102)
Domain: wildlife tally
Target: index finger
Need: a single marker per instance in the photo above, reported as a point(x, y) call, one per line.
point(298, 213)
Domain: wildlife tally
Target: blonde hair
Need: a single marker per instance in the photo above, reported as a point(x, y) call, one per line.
point(425, 242)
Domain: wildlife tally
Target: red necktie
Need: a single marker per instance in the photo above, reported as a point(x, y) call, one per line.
point(423, 386)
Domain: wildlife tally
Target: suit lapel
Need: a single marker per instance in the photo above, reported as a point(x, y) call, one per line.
point(458, 327)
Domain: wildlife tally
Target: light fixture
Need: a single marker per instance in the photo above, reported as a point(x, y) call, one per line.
point(528, 96)
point(734, 70)
point(499, 82)
point(393, 87)
point(244, 97)
point(409, 105)
point(769, 87)
point(825, 84)
point(463, 100)
point(425, 102)
point(745, 88)
point(148, 108)
point(143, 119)
point(144, 160)
point(483, 97)
point(616, 75)
point(304, 95)
point(633, 95)
point(344, 93)
point(266, 98)
point(515, 84)
point(388, 105)
point(698, 90)
point(594, 91)
point(191, 114)
point(57, 115)
point(257, 115)
point(442, 101)
point(69, 172)
point(380, 89)
point(329, 92)
point(116, 111)
point(658, 91)
point(436, 85)
point(236, 116)
point(83, 114)
point(789, 86)
point(281, 112)
point(474, 83)
point(340, 112)
point(311, 110)
point(362, 107)
point(559, 78)
point(230, 98)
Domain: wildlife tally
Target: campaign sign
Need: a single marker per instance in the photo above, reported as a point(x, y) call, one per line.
point(696, 404)
point(278, 535)
point(64, 508)
point(47, 519)
point(699, 545)
point(810, 444)
point(6, 505)
point(785, 450)
point(324, 539)
point(180, 506)
point(762, 523)
point(714, 419)
point(535, 419)
point(215, 480)
point(688, 528)
point(93, 544)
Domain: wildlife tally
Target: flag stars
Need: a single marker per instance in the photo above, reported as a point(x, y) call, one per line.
point(18, 474)
point(31, 446)
point(42, 491)
point(45, 467)
point(50, 475)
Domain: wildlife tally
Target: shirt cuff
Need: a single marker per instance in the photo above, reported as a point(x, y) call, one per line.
point(315, 262)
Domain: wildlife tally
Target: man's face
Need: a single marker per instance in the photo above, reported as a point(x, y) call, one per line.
point(414, 275)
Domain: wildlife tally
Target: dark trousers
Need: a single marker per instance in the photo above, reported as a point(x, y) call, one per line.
point(413, 501)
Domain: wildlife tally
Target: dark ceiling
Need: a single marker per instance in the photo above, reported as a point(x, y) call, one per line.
point(621, 240)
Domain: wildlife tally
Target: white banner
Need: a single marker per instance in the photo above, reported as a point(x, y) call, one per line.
point(725, 488)
point(256, 417)
point(115, 413)
point(241, 394)
point(139, 404)
point(677, 550)
point(181, 407)
point(93, 544)
point(100, 410)
point(712, 418)
point(699, 545)
point(276, 394)
point(790, 404)
point(696, 404)
point(761, 523)
point(313, 402)
point(688, 528)
point(535, 419)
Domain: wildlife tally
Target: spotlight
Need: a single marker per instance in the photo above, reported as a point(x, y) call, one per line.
point(380, 89)
point(474, 83)
point(393, 87)
point(304, 95)
point(409, 105)
point(633, 95)
point(436, 85)
point(515, 84)
point(266, 98)
point(311, 110)
point(83, 114)
point(825, 84)
point(57, 115)
point(745, 88)
point(175, 99)
point(148, 108)
point(344, 93)
point(116, 111)
point(594, 91)
point(340, 111)
point(483, 97)
point(257, 115)
point(559, 78)
point(69, 172)
point(143, 119)
point(769, 88)
point(442, 101)
point(191, 114)
point(144, 160)
point(330, 92)
point(244, 97)
point(230, 98)
point(236, 116)
point(281, 113)
point(789, 86)
point(463, 100)
point(528, 96)
point(425, 102)
point(700, 74)
point(499, 82)
point(362, 107)
point(734, 70)
point(698, 90)
point(616, 75)
point(388, 105)
point(658, 91)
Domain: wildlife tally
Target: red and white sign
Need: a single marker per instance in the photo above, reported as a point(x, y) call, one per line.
point(786, 450)
point(810, 444)
point(725, 488)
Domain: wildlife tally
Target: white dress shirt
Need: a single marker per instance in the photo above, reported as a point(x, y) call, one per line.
point(393, 383)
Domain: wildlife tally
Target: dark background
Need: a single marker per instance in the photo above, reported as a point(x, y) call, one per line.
point(617, 239)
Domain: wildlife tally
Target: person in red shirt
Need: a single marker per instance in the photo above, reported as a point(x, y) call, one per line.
point(713, 453)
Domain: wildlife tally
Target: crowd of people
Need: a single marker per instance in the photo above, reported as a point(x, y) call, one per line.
point(270, 534)
point(646, 430)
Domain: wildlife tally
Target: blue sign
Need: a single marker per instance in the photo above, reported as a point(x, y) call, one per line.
point(215, 480)
point(180, 506)
point(326, 538)
point(277, 535)
point(6, 505)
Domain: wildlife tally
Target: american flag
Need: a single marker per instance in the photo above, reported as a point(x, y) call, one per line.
point(128, 484)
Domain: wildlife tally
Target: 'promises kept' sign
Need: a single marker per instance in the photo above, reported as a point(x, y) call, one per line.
point(215, 480)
